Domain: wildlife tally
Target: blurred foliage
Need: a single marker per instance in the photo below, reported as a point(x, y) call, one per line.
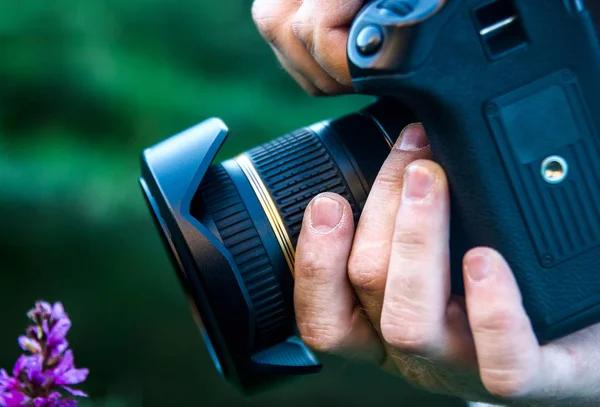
point(85, 85)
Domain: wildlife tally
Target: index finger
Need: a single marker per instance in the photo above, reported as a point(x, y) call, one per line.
point(370, 256)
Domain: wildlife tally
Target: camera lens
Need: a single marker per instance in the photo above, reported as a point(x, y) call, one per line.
point(233, 232)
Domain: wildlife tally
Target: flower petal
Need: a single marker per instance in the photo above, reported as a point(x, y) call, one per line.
point(33, 315)
point(29, 344)
point(72, 376)
point(55, 395)
point(58, 311)
point(32, 366)
point(4, 377)
point(65, 403)
point(40, 402)
point(44, 306)
point(64, 365)
point(45, 327)
point(20, 365)
point(59, 331)
point(35, 368)
point(13, 398)
point(59, 348)
point(7, 382)
point(41, 310)
point(52, 400)
point(75, 392)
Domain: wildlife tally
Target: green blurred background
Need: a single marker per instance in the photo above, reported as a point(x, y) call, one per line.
point(85, 85)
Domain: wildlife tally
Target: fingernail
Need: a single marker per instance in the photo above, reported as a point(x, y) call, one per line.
point(413, 138)
point(325, 214)
point(478, 267)
point(418, 182)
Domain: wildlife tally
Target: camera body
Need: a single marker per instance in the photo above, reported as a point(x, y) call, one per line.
point(509, 94)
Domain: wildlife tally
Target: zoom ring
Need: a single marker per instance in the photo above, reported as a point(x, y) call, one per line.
point(295, 168)
point(240, 237)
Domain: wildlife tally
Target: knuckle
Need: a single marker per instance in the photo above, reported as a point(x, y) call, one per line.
point(410, 242)
point(267, 22)
point(367, 272)
point(304, 20)
point(318, 337)
point(496, 321)
point(302, 31)
point(306, 83)
point(508, 384)
point(329, 86)
point(405, 326)
point(389, 178)
point(314, 91)
point(298, 30)
point(411, 338)
point(310, 266)
point(316, 264)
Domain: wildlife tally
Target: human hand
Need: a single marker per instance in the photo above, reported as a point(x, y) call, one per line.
point(382, 295)
point(309, 39)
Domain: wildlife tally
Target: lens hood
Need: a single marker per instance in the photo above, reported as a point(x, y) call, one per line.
point(172, 172)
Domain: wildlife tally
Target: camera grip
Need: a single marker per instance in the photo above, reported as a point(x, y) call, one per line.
point(517, 136)
point(502, 198)
point(549, 233)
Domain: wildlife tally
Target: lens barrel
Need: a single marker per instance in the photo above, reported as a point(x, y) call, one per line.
point(232, 227)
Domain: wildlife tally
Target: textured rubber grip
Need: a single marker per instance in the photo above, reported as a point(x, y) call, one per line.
point(295, 168)
point(240, 236)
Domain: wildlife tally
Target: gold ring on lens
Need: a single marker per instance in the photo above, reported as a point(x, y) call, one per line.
point(270, 209)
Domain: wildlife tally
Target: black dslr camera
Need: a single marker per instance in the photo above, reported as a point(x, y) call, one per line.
point(509, 94)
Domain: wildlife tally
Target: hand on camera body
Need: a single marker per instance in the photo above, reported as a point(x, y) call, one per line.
point(381, 294)
point(309, 39)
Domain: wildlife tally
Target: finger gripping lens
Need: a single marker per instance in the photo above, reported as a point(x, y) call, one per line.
point(232, 228)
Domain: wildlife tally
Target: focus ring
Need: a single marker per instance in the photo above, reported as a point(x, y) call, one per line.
point(295, 168)
point(240, 237)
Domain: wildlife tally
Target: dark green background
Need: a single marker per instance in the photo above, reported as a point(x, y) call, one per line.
point(85, 85)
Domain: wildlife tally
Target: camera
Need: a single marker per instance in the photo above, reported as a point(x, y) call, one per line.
point(509, 94)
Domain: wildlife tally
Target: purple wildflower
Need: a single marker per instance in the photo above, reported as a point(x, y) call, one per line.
point(44, 375)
